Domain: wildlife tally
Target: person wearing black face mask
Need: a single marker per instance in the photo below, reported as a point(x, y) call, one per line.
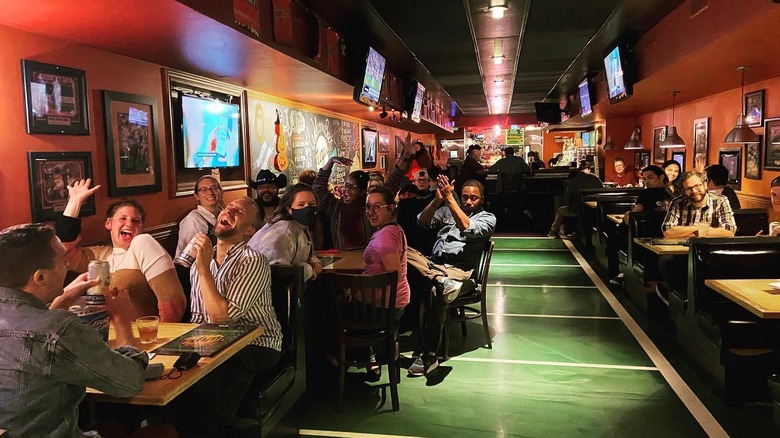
point(286, 239)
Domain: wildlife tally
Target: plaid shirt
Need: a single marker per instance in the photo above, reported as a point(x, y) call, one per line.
point(716, 211)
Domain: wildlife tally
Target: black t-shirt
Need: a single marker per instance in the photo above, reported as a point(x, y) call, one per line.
point(653, 198)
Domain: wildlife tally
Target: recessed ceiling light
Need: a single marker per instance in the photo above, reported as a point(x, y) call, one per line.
point(497, 8)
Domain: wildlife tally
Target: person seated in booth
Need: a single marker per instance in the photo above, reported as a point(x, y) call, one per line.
point(267, 185)
point(672, 170)
point(472, 168)
point(511, 163)
point(622, 177)
point(349, 226)
point(286, 238)
point(49, 356)
point(717, 183)
point(422, 181)
point(571, 201)
point(420, 159)
point(463, 228)
point(136, 261)
point(655, 196)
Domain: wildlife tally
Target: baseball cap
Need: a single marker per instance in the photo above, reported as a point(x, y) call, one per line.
point(422, 173)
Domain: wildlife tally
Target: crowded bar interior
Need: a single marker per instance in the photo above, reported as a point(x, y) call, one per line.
point(390, 218)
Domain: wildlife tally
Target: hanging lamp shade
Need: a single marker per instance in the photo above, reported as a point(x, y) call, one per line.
point(741, 132)
point(672, 140)
point(608, 146)
point(634, 143)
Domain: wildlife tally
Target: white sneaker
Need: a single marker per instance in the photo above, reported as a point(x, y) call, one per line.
point(417, 369)
point(450, 288)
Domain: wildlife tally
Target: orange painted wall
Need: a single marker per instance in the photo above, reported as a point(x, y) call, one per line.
point(551, 148)
point(104, 71)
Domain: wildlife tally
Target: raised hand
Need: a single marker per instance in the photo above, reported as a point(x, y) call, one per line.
point(205, 250)
point(446, 187)
point(80, 190)
point(344, 161)
point(408, 146)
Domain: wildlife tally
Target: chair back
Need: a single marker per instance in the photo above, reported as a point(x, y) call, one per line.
point(480, 275)
point(287, 288)
point(751, 220)
point(511, 182)
point(365, 302)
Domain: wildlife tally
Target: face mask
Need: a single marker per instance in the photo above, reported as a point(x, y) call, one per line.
point(304, 216)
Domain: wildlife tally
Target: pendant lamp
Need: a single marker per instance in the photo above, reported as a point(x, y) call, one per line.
point(672, 139)
point(741, 132)
point(609, 146)
point(634, 143)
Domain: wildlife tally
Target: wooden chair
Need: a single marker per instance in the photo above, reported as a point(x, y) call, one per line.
point(463, 307)
point(365, 314)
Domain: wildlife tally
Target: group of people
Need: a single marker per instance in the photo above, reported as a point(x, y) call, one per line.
point(223, 258)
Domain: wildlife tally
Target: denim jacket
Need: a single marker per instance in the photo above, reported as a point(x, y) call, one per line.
point(47, 359)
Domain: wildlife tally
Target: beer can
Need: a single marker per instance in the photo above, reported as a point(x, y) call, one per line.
point(773, 226)
point(187, 256)
point(98, 269)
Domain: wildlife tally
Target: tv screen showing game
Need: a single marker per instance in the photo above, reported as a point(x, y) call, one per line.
point(368, 89)
point(418, 101)
point(585, 103)
point(619, 75)
point(210, 133)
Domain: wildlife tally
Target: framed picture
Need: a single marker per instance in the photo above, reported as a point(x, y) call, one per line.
point(772, 144)
point(55, 99)
point(701, 140)
point(384, 142)
point(753, 160)
point(50, 173)
point(370, 140)
point(659, 135)
point(731, 158)
point(399, 147)
point(641, 160)
point(679, 157)
point(754, 108)
point(132, 143)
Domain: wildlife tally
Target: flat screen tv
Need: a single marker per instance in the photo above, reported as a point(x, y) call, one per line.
point(370, 85)
point(585, 102)
point(209, 133)
point(418, 101)
point(548, 112)
point(619, 73)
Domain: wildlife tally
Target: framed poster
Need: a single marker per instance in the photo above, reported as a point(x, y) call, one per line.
point(49, 175)
point(55, 99)
point(753, 160)
point(754, 108)
point(772, 144)
point(701, 138)
point(132, 143)
point(370, 140)
point(384, 142)
point(659, 134)
point(731, 158)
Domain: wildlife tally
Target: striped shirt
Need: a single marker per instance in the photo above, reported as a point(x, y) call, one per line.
point(244, 280)
point(716, 212)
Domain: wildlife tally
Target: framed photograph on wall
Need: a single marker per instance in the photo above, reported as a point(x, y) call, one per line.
point(701, 141)
point(754, 108)
point(399, 147)
point(133, 149)
point(370, 140)
point(731, 158)
point(772, 144)
point(679, 157)
point(659, 134)
point(55, 99)
point(384, 142)
point(753, 160)
point(49, 174)
point(641, 160)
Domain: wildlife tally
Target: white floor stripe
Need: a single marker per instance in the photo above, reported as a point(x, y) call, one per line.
point(700, 412)
point(527, 315)
point(532, 265)
point(557, 364)
point(520, 237)
point(530, 249)
point(341, 434)
point(549, 286)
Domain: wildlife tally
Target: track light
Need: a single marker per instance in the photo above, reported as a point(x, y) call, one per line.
point(383, 114)
point(392, 117)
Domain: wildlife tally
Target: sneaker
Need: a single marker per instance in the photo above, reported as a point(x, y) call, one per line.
point(418, 368)
point(450, 288)
point(617, 280)
point(373, 370)
point(430, 362)
point(553, 234)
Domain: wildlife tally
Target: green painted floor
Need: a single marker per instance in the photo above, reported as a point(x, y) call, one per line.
point(562, 364)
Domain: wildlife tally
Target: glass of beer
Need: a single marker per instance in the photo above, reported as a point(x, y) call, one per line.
point(147, 328)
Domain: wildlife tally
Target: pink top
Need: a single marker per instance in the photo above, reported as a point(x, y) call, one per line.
point(389, 239)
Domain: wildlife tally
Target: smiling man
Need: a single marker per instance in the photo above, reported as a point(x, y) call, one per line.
point(136, 261)
point(698, 213)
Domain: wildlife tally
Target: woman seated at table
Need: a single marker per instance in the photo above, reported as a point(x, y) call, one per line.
point(286, 239)
point(672, 171)
point(349, 226)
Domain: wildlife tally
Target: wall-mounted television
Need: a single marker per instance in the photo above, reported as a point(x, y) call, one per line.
point(369, 85)
point(619, 68)
point(586, 105)
point(419, 93)
point(369, 137)
point(548, 112)
point(210, 133)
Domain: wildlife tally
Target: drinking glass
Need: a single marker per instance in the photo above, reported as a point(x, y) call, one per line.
point(147, 328)
point(703, 229)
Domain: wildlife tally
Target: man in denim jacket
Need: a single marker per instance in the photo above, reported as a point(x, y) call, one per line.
point(48, 357)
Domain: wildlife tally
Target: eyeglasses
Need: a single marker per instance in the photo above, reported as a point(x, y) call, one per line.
point(375, 208)
point(692, 188)
point(212, 189)
point(473, 198)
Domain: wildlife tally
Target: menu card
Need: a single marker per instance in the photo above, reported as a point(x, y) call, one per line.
point(205, 339)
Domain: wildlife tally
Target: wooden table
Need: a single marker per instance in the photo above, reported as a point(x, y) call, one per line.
point(757, 296)
point(161, 392)
point(592, 204)
point(661, 249)
point(350, 262)
point(616, 218)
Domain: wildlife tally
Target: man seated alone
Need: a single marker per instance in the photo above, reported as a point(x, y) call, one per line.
point(622, 177)
point(462, 232)
point(571, 202)
point(49, 356)
point(136, 261)
point(655, 195)
point(717, 183)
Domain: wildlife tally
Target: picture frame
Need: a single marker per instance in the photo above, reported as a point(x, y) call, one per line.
point(399, 147)
point(754, 108)
point(384, 143)
point(772, 144)
point(55, 99)
point(731, 158)
point(679, 157)
point(641, 160)
point(369, 140)
point(49, 175)
point(132, 144)
point(701, 142)
point(659, 134)
point(753, 159)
